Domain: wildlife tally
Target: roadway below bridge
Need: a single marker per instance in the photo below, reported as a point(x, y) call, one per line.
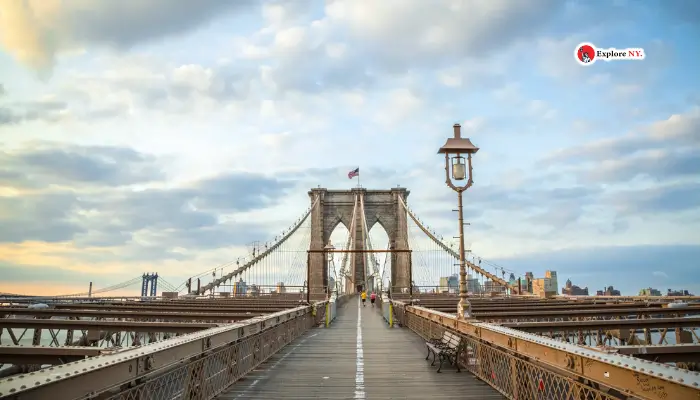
point(359, 356)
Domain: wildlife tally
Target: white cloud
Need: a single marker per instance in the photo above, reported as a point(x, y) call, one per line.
point(660, 274)
point(36, 30)
point(314, 91)
point(451, 77)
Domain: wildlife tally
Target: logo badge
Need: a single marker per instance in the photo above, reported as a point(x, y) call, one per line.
point(587, 54)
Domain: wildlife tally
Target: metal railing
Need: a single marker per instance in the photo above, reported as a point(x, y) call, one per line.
point(526, 366)
point(198, 366)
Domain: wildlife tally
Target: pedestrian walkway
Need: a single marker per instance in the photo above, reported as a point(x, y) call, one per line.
point(358, 357)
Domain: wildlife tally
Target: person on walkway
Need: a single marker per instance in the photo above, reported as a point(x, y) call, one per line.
point(372, 298)
point(364, 297)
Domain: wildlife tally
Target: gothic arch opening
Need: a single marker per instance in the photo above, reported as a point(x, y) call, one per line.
point(380, 241)
point(332, 206)
point(338, 239)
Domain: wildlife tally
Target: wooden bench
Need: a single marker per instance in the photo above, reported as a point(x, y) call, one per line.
point(446, 348)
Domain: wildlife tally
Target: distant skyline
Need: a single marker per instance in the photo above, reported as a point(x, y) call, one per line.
point(170, 143)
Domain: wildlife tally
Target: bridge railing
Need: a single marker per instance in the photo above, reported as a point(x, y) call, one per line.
point(199, 365)
point(522, 365)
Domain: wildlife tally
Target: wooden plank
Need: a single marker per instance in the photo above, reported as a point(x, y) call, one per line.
point(324, 364)
point(395, 367)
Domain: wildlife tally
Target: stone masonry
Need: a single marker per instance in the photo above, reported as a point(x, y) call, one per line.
point(336, 207)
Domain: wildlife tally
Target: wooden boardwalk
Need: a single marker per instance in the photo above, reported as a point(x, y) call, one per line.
point(358, 357)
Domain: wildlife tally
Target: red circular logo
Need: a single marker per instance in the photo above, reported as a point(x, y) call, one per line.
point(585, 53)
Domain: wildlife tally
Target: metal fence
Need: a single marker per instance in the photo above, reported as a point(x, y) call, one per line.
point(195, 366)
point(212, 374)
point(525, 366)
point(512, 376)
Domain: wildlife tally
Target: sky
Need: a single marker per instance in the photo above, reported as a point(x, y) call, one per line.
point(165, 135)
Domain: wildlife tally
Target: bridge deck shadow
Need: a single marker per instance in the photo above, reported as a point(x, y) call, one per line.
point(323, 364)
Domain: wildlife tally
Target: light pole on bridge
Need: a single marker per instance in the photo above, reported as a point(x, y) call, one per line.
point(453, 150)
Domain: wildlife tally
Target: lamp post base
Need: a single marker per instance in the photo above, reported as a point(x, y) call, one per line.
point(464, 309)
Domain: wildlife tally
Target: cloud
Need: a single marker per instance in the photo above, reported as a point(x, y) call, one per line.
point(687, 11)
point(348, 49)
point(36, 31)
point(660, 274)
point(131, 86)
point(397, 33)
point(667, 198)
point(663, 150)
point(48, 109)
point(108, 211)
point(48, 164)
point(42, 217)
point(173, 161)
point(18, 273)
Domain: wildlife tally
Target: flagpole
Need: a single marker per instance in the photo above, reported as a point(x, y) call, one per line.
point(358, 177)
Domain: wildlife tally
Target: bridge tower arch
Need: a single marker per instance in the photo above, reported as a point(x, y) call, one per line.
point(335, 207)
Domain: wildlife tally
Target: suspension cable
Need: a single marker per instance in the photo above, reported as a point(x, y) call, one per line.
point(350, 242)
point(446, 248)
point(260, 256)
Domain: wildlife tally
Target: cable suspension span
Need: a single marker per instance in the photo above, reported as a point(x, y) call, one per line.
point(349, 242)
point(260, 256)
point(384, 269)
point(368, 242)
point(121, 285)
point(445, 247)
point(169, 287)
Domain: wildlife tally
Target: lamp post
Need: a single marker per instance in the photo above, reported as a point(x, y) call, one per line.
point(329, 254)
point(453, 150)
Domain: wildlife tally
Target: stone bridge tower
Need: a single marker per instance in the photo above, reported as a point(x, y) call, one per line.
point(336, 207)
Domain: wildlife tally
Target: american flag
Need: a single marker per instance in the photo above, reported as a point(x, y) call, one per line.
point(355, 172)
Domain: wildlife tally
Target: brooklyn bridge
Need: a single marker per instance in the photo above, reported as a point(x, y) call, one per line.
point(288, 323)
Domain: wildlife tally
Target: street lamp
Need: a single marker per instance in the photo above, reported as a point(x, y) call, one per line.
point(453, 150)
point(329, 253)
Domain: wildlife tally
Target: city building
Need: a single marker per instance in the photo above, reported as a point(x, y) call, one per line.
point(650, 292)
point(240, 288)
point(281, 288)
point(681, 292)
point(529, 277)
point(254, 290)
point(609, 291)
point(512, 280)
point(573, 290)
point(449, 284)
point(493, 287)
point(543, 287)
point(551, 282)
point(473, 285)
point(442, 287)
point(453, 283)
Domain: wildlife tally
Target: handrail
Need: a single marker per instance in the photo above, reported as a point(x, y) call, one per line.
point(647, 379)
point(134, 363)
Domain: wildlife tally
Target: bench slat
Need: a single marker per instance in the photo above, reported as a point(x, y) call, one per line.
point(447, 347)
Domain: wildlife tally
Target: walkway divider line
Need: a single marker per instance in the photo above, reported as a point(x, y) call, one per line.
point(360, 360)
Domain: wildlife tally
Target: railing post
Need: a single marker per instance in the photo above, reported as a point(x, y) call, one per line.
point(328, 318)
point(391, 315)
point(514, 377)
